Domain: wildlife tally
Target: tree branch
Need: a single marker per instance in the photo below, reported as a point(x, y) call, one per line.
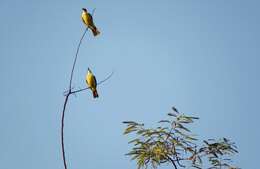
point(62, 131)
point(66, 100)
point(75, 59)
point(172, 161)
point(69, 92)
point(76, 56)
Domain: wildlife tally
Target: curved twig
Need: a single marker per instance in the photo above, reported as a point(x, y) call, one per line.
point(178, 161)
point(76, 56)
point(75, 59)
point(62, 131)
point(172, 161)
point(69, 92)
point(93, 11)
point(66, 100)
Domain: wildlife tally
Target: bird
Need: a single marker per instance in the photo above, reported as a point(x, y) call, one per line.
point(88, 21)
point(92, 83)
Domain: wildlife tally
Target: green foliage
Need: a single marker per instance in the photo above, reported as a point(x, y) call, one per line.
point(173, 142)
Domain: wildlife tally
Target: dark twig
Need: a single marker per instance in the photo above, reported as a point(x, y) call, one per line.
point(178, 161)
point(172, 161)
point(76, 56)
point(75, 59)
point(93, 11)
point(62, 130)
point(66, 100)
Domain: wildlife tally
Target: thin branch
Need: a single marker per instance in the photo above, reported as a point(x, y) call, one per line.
point(66, 100)
point(62, 131)
point(99, 83)
point(76, 56)
point(178, 161)
point(172, 161)
point(93, 11)
point(75, 59)
point(68, 93)
point(169, 134)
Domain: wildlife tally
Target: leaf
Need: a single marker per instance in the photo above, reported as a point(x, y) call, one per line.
point(141, 131)
point(205, 142)
point(134, 140)
point(195, 118)
point(134, 157)
point(129, 122)
point(225, 140)
point(174, 109)
point(182, 127)
point(130, 129)
point(164, 121)
point(191, 138)
point(171, 114)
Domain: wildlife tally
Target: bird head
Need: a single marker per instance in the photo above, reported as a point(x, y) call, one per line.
point(84, 9)
point(89, 70)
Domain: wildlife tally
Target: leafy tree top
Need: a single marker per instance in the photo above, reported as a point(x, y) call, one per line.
point(173, 142)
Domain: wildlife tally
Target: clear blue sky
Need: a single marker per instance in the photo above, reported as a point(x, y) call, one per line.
point(201, 56)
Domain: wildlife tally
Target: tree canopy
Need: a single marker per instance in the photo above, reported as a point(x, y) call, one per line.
point(173, 142)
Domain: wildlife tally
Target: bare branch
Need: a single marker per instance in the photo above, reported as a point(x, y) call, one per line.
point(66, 100)
point(69, 92)
point(76, 56)
point(75, 59)
point(62, 131)
point(172, 161)
point(93, 11)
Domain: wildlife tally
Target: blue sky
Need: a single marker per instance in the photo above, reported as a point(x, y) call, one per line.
point(200, 56)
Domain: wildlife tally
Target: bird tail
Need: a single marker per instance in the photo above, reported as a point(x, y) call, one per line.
point(95, 93)
point(95, 31)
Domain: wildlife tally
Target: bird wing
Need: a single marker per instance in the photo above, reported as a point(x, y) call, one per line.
point(90, 20)
point(95, 81)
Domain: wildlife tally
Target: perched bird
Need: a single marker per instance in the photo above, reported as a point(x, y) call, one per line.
point(92, 83)
point(88, 21)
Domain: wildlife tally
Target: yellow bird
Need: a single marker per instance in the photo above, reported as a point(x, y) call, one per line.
point(92, 83)
point(88, 21)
